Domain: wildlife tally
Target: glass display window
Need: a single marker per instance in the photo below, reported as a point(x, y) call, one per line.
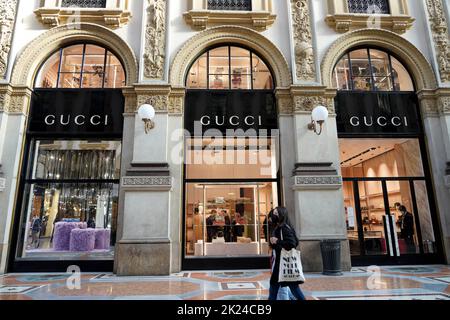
point(370, 69)
point(229, 68)
point(70, 202)
point(81, 66)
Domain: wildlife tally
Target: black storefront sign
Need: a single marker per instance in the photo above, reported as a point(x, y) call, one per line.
point(230, 110)
point(97, 112)
point(377, 113)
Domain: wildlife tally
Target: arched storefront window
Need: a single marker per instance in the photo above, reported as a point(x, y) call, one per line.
point(69, 205)
point(231, 159)
point(371, 69)
point(388, 200)
point(229, 68)
point(81, 66)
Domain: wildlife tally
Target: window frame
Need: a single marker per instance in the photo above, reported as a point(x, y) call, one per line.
point(208, 74)
point(85, 44)
point(350, 83)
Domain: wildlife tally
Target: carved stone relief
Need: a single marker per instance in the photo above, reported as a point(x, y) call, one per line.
point(304, 51)
point(155, 34)
point(7, 18)
point(439, 28)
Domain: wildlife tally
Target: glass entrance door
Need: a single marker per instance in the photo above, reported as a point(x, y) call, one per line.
point(388, 217)
point(387, 203)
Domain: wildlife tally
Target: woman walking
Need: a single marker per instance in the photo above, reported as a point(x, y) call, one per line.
point(283, 237)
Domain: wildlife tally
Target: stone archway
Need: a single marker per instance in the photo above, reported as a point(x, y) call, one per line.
point(420, 69)
point(229, 34)
point(36, 52)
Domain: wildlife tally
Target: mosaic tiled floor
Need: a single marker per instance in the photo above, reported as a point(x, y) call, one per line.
point(385, 283)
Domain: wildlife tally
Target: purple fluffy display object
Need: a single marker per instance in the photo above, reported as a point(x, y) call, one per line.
point(82, 240)
point(102, 239)
point(61, 239)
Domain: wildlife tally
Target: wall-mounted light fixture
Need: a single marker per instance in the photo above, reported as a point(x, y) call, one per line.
point(318, 117)
point(147, 113)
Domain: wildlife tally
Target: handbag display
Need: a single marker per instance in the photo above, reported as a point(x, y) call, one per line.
point(291, 269)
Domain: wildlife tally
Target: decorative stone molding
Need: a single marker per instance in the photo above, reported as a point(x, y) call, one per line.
point(176, 101)
point(155, 40)
point(317, 182)
point(310, 176)
point(259, 19)
point(7, 19)
point(37, 51)
point(229, 34)
point(418, 65)
point(159, 183)
point(156, 95)
point(341, 20)
point(307, 98)
point(434, 103)
point(439, 29)
point(5, 96)
point(444, 105)
point(304, 50)
point(114, 15)
point(284, 102)
point(14, 99)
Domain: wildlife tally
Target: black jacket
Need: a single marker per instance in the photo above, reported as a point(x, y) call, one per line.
point(288, 242)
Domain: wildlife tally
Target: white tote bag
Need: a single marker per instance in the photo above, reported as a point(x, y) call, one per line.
point(291, 269)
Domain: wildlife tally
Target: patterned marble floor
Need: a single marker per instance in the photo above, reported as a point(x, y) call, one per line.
point(385, 283)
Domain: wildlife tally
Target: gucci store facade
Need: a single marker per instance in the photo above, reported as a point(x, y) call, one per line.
point(87, 182)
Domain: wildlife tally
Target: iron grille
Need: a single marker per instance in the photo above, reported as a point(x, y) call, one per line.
point(238, 5)
point(84, 3)
point(368, 6)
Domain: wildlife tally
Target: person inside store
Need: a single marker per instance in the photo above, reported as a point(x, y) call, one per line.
point(407, 228)
point(283, 237)
point(211, 229)
point(226, 228)
point(237, 226)
point(36, 227)
point(91, 222)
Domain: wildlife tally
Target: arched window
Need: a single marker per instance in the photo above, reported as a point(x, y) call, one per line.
point(81, 66)
point(370, 69)
point(229, 68)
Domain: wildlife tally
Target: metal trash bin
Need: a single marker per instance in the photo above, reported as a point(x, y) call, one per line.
point(331, 257)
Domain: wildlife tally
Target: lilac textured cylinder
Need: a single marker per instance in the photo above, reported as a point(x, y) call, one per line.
point(102, 237)
point(82, 240)
point(61, 238)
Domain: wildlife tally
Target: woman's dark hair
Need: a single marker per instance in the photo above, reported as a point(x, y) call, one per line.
point(283, 216)
point(402, 208)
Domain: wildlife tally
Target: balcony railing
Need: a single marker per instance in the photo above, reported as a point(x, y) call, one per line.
point(235, 5)
point(84, 3)
point(369, 6)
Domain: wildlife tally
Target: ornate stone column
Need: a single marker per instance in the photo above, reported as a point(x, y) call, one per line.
point(435, 110)
point(316, 178)
point(14, 106)
point(316, 181)
point(145, 244)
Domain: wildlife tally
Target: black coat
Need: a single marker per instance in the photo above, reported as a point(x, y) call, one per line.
point(407, 226)
point(289, 242)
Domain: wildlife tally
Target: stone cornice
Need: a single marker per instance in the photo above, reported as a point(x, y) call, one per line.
point(347, 21)
point(200, 20)
point(111, 18)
